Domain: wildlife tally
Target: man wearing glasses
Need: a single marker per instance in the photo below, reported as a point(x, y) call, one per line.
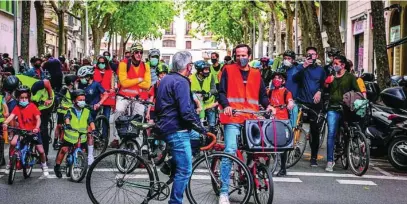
point(310, 82)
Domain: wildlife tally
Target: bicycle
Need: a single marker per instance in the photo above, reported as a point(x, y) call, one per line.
point(76, 159)
point(133, 187)
point(24, 155)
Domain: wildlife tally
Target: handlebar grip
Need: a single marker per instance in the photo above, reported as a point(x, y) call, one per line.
point(213, 142)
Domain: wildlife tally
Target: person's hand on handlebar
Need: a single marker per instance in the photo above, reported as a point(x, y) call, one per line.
point(228, 111)
point(290, 105)
point(271, 109)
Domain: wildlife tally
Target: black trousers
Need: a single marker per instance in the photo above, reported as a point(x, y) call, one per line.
point(45, 118)
point(314, 128)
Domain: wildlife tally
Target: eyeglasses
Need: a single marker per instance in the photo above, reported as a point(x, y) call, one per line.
point(138, 52)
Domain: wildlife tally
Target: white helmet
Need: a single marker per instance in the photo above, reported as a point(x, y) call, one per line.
point(153, 52)
point(85, 71)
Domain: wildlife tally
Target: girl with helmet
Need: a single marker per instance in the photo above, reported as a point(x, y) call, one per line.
point(28, 116)
point(154, 62)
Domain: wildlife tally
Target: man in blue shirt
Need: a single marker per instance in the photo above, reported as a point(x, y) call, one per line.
point(176, 116)
point(310, 80)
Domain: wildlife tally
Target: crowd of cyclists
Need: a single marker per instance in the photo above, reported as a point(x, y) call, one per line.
point(214, 90)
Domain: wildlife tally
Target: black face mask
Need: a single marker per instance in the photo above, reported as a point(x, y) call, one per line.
point(214, 61)
point(37, 66)
point(205, 74)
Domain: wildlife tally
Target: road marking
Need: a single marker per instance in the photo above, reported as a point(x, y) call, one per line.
point(382, 171)
point(357, 182)
point(287, 180)
point(200, 177)
point(397, 178)
point(140, 176)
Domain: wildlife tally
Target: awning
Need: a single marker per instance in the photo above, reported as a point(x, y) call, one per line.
point(397, 43)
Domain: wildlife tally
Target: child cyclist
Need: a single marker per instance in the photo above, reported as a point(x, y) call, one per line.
point(281, 99)
point(29, 118)
point(78, 118)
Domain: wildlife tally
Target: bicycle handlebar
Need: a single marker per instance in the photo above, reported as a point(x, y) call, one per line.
point(210, 146)
point(23, 132)
point(250, 112)
point(137, 99)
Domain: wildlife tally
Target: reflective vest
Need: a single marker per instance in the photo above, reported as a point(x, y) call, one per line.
point(80, 124)
point(206, 86)
point(1, 109)
point(241, 96)
point(65, 104)
point(107, 82)
point(132, 74)
point(216, 73)
point(40, 96)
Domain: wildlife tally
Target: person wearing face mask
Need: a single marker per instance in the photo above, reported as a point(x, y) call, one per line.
point(338, 85)
point(154, 63)
point(79, 118)
point(109, 58)
point(332, 53)
point(127, 55)
point(176, 119)
point(203, 84)
point(28, 117)
point(216, 67)
point(241, 87)
point(36, 71)
point(66, 103)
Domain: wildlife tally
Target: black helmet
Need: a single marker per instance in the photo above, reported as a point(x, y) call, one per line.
point(11, 83)
point(289, 53)
point(22, 89)
point(69, 79)
point(76, 93)
point(280, 72)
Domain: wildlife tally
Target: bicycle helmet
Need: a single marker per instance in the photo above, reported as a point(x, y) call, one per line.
point(136, 47)
point(70, 79)
point(289, 53)
point(163, 68)
point(22, 89)
point(154, 52)
point(264, 59)
point(332, 52)
point(201, 64)
point(76, 93)
point(11, 83)
point(85, 71)
point(279, 72)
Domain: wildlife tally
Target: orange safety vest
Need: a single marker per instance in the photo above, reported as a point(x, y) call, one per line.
point(107, 83)
point(132, 74)
point(241, 96)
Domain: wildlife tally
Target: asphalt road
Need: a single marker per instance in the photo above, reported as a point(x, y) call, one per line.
point(305, 185)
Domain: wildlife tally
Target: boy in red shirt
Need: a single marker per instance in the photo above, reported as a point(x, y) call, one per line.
point(282, 100)
point(28, 117)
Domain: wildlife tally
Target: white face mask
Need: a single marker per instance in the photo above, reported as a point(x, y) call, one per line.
point(287, 63)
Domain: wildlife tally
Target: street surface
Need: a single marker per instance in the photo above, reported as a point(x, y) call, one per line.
point(303, 185)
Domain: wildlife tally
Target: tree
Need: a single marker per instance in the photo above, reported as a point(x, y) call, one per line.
point(331, 23)
point(310, 26)
point(379, 43)
point(25, 30)
point(271, 35)
point(289, 18)
point(60, 10)
point(39, 10)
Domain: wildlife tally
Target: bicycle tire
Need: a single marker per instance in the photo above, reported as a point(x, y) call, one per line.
point(242, 171)
point(13, 169)
point(130, 145)
point(82, 158)
point(263, 174)
point(27, 168)
point(323, 132)
point(101, 143)
point(363, 147)
point(295, 155)
point(50, 128)
point(101, 161)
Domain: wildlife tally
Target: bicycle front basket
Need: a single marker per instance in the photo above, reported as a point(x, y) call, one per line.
point(125, 128)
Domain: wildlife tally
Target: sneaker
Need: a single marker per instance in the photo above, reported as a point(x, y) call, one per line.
point(224, 199)
point(7, 171)
point(330, 166)
point(314, 163)
point(114, 144)
point(57, 171)
point(282, 173)
point(45, 171)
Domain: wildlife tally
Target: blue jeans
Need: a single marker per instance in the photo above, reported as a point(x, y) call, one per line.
point(333, 118)
point(232, 131)
point(211, 117)
point(293, 115)
point(182, 157)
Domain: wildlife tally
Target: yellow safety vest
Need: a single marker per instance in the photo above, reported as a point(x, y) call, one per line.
point(41, 96)
point(80, 124)
point(206, 86)
point(1, 109)
point(65, 104)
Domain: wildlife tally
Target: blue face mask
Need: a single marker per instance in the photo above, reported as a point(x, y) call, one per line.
point(23, 103)
point(154, 61)
point(243, 62)
point(84, 81)
point(81, 104)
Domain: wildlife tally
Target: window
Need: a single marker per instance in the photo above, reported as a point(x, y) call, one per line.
point(7, 6)
point(70, 20)
point(168, 43)
point(188, 27)
point(188, 45)
point(170, 31)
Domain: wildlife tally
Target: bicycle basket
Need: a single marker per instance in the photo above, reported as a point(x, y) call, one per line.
point(125, 128)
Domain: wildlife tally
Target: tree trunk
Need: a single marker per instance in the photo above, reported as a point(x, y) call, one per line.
point(313, 26)
point(379, 43)
point(96, 38)
point(279, 43)
point(331, 23)
point(109, 42)
point(289, 26)
point(120, 53)
point(305, 40)
point(39, 10)
point(61, 33)
point(25, 30)
point(271, 35)
point(261, 35)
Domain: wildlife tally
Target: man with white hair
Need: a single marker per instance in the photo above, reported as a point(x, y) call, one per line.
point(176, 116)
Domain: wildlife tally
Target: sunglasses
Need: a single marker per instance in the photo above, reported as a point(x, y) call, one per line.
point(138, 52)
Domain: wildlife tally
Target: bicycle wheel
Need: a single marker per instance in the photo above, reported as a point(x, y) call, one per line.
point(300, 143)
point(27, 168)
point(79, 167)
point(323, 132)
point(159, 150)
point(204, 184)
point(263, 185)
point(358, 153)
point(105, 184)
point(102, 140)
point(121, 161)
point(13, 169)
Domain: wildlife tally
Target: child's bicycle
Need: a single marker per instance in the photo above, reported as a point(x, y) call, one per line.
point(24, 155)
point(76, 160)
